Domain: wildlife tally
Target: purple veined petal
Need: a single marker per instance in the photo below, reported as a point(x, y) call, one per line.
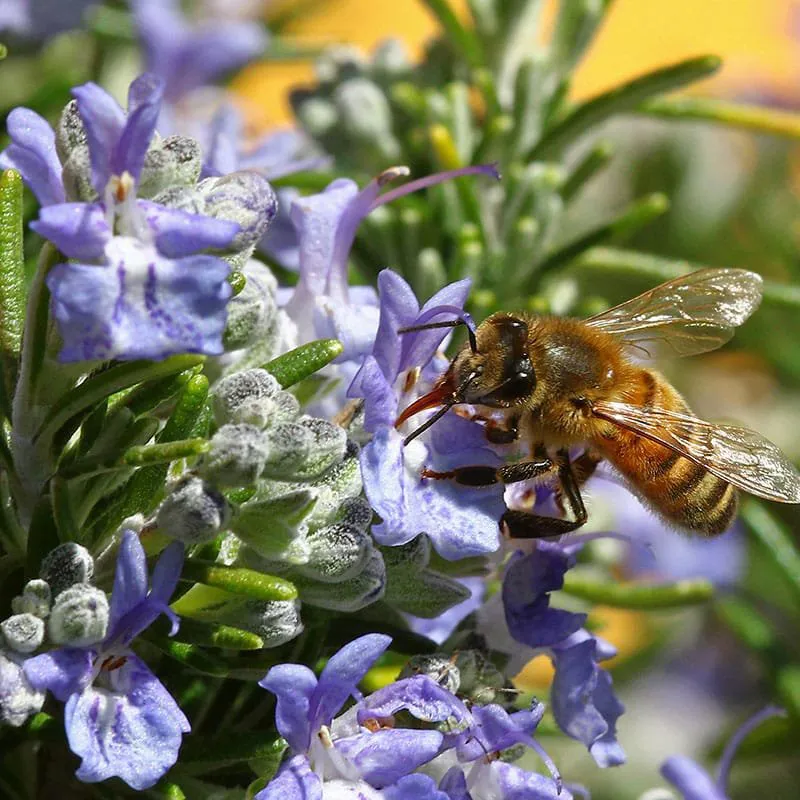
point(418, 787)
point(353, 325)
point(133, 735)
point(62, 672)
point(179, 233)
point(167, 571)
point(295, 780)
point(691, 780)
point(460, 521)
point(281, 240)
point(104, 121)
point(293, 685)
point(606, 751)
point(211, 49)
point(225, 133)
point(421, 696)
point(140, 305)
point(523, 785)
point(493, 729)
point(144, 103)
point(162, 31)
point(527, 584)
point(399, 308)
point(380, 408)
point(454, 784)
point(130, 581)
point(385, 756)
point(78, 230)
point(446, 304)
point(32, 153)
point(342, 674)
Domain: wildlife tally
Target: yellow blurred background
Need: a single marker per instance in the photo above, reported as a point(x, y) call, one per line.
point(758, 39)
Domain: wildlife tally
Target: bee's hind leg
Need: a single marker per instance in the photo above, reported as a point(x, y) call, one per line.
point(524, 525)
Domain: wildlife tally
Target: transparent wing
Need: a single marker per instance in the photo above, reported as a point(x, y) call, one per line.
point(737, 455)
point(691, 314)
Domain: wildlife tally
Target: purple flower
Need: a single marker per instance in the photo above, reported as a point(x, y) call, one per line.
point(693, 782)
point(119, 718)
point(322, 304)
point(460, 521)
point(40, 19)
point(145, 292)
point(187, 56)
point(305, 710)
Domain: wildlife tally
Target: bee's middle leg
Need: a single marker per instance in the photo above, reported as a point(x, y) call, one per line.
point(524, 525)
point(488, 476)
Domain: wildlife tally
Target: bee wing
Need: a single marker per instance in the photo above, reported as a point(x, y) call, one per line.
point(737, 455)
point(691, 314)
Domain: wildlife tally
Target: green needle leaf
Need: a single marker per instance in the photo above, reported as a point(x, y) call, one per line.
point(462, 38)
point(12, 281)
point(639, 596)
point(619, 99)
point(189, 655)
point(292, 367)
point(212, 634)
point(213, 752)
point(237, 580)
point(735, 115)
point(775, 539)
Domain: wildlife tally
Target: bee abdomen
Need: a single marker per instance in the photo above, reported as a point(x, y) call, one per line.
point(689, 496)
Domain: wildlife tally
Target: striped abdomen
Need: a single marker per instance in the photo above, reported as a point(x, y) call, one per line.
point(683, 492)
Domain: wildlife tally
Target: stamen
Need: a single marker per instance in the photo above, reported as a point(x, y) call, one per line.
point(432, 180)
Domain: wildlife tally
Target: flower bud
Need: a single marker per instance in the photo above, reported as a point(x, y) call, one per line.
point(35, 599)
point(70, 132)
point(251, 314)
point(18, 699)
point(174, 161)
point(77, 176)
point(356, 512)
point(351, 594)
point(193, 511)
point(318, 116)
point(481, 680)
point(341, 481)
point(23, 632)
point(339, 62)
point(245, 198)
point(366, 116)
point(337, 552)
point(79, 617)
point(305, 449)
point(237, 455)
point(390, 58)
point(245, 397)
point(438, 666)
point(69, 563)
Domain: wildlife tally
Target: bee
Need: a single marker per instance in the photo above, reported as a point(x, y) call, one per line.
point(558, 384)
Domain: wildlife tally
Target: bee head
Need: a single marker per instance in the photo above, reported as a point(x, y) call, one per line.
point(493, 369)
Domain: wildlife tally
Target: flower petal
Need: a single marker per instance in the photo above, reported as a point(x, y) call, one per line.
point(380, 409)
point(78, 230)
point(422, 697)
point(418, 787)
point(342, 674)
point(130, 581)
point(454, 784)
point(140, 305)
point(104, 121)
point(225, 133)
point(385, 756)
point(528, 581)
point(295, 780)
point(523, 785)
point(62, 672)
point(691, 780)
point(133, 735)
point(399, 308)
point(179, 233)
point(32, 153)
point(293, 685)
point(144, 103)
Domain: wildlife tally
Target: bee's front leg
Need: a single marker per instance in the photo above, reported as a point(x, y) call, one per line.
point(488, 476)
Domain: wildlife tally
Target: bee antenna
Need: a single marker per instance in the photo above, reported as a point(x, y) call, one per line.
point(463, 319)
point(427, 424)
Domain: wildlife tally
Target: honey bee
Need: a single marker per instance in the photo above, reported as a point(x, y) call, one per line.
point(557, 383)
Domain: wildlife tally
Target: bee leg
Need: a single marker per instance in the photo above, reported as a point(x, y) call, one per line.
point(583, 467)
point(499, 434)
point(488, 476)
point(523, 525)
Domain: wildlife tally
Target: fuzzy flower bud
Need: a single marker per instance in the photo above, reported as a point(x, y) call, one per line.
point(35, 599)
point(305, 449)
point(249, 397)
point(70, 133)
point(68, 564)
point(237, 456)
point(366, 116)
point(337, 552)
point(174, 161)
point(251, 314)
point(193, 511)
point(23, 632)
point(79, 617)
point(18, 699)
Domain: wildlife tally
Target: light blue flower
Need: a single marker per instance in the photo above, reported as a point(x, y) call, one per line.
point(118, 716)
